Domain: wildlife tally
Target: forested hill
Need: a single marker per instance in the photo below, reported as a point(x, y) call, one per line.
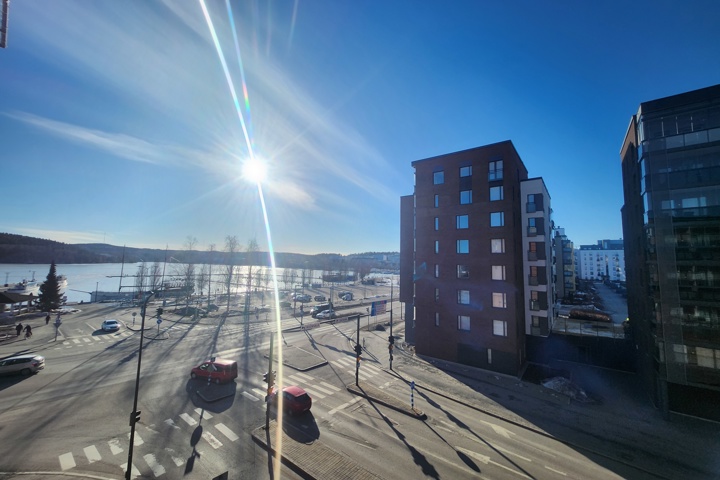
point(22, 249)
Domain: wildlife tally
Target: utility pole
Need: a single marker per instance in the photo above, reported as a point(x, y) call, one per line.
point(391, 339)
point(270, 380)
point(358, 351)
point(4, 24)
point(135, 414)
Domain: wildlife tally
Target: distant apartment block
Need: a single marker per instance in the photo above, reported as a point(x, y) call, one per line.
point(671, 222)
point(604, 261)
point(564, 265)
point(476, 258)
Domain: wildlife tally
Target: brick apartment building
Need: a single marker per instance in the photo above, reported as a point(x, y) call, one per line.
point(471, 278)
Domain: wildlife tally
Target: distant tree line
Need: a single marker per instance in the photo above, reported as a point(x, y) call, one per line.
point(22, 249)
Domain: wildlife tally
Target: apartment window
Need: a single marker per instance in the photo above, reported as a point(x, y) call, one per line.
point(462, 222)
point(439, 178)
point(465, 197)
point(437, 246)
point(531, 205)
point(437, 224)
point(437, 271)
point(535, 226)
point(495, 170)
point(437, 201)
point(463, 246)
point(463, 323)
point(497, 245)
point(497, 219)
point(532, 251)
point(534, 300)
point(499, 300)
point(500, 328)
point(498, 272)
point(437, 294)
point(466, 171)
point(463, 297)
point(437, 319)
point(463, 271)
point(496, 193)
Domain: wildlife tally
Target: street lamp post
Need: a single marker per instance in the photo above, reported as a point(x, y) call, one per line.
point(135, 415)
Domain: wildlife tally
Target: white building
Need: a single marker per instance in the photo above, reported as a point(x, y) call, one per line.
point(604, 260)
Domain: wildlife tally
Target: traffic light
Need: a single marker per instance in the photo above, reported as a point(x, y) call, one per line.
point(358, 349)
point(391, 339)
point(134, 417)
point(159, 311)
point(265, 377)
point(269, 378)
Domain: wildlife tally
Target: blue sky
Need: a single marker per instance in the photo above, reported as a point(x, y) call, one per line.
point(117, 124)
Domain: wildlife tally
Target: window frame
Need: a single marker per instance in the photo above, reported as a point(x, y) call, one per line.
point(463, 320)
point(499, 298)
point(494, 215)
point(503, 328)
point(463, 297)
point(458, 248)
point(468, 197)
point(439, 177)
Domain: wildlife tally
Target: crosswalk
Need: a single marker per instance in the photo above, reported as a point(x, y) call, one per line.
point(89, 340)
point(215, 434)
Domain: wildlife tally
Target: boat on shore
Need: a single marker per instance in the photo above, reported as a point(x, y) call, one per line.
point(26, 287)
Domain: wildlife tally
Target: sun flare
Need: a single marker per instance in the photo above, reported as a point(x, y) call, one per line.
point(254, 170)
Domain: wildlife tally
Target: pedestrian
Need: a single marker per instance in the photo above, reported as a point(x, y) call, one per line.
point(28, 331)
point(19, 328)
point(47, 319)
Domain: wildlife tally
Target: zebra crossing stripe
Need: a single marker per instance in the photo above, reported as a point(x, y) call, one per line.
point(323, 390)
point(154, 465)
point(331, 387)
point(177, 460)
point(250, 397)
point(260, 392)
point(75, 340)
point(92, 454)
point(210, 438)
point(360, 375)
point(87, 340)
point(66, 461)
point(307, 378)
point(227, 432)
point(138, 440)
point(314, 392)
point(372, 368)
point(97, 339)
point(344, 405)
point(205, 415)
point(188, 419)
point(134, 472)
point(115, 447)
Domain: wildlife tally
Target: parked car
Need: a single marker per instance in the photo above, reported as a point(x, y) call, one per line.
point(326, 314)
point(285, 304)
point(22, 364)
point(345, 296)
point(320, 298)
point(295, 399)
point(303, 298)
point(218, 370)
point(110, 325)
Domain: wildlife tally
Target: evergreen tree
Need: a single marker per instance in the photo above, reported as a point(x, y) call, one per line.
point(49, 298)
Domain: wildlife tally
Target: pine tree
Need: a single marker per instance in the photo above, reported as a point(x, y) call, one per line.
point(49, 298)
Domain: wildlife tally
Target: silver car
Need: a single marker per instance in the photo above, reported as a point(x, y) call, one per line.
point(22, 364)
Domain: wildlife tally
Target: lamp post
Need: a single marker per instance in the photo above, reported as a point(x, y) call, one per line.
point(135, 415)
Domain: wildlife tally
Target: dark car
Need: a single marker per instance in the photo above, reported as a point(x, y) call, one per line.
point(295, 400)
point(320, 298)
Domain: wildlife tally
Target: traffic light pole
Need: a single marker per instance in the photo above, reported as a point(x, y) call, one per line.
point(270, 381)
point(358, 349)
point(135, 415)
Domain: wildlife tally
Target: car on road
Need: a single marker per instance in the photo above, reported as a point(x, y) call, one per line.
point(326, 314)
point(218, 370)
point(110, 325)
point(320, 298)
point(285, 304)
point(303, 298)
point(295, 399)
point(22, 364)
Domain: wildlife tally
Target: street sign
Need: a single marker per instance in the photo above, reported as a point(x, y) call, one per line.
point(159, 321)
point(412, 385)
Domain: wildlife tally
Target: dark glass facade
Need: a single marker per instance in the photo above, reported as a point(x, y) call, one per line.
point(671, 223)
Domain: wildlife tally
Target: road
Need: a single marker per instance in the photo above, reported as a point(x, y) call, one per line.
point(72, 418)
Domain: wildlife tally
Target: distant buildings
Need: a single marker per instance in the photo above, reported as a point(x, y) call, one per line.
point(476, 271)
point(564, 265)
point(604, 261)
point(671, 223)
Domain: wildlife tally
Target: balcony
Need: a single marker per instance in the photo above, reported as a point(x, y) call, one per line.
point(532, 256)
point(533, 280)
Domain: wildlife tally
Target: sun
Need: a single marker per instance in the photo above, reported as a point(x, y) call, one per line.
point(254, 170)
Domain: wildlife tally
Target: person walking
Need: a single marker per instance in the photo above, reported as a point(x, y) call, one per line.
point(19, 328)
point(47, 319)
point(28, 331)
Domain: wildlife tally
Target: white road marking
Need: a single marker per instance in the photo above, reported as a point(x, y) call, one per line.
point(66, 461)
point(205, 415)
point(260, 392)
point(505, 450)
point(323, 390)
point(372, 368)
point(486, 460)
point(97, 339)
point(227, 432)
point(556, 471)
point(134, 472)
point(115, 447)
point(188, 419)
point(171, 423)
point(177, 460)
point(154, 465)
point(314, 392)
point(498, 429)
point(87, 340)
point(75, 340)
point(331, 387)
point(92, 454)
point(214, 442)
point(251, 397)
point(306, 378)
point(138, 440)
point(345, 405)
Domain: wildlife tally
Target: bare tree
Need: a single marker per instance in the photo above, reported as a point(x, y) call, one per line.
point(258, 282)
point(286, 277)
point(140, 279)
point(208, 271)
point(155, 275)
point(231, 247)
point(188, 270)
point(252, 249)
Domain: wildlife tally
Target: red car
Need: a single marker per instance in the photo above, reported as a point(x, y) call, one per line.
point(295, 400)
point(217, 370)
